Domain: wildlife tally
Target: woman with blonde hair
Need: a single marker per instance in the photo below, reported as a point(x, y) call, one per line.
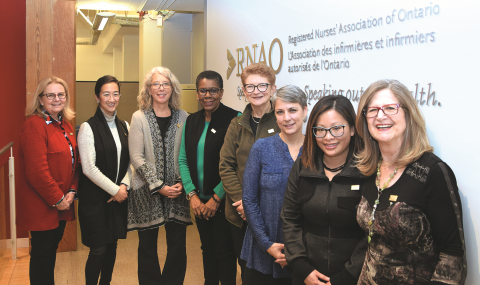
point(410, 207)
point(157, 197)
point(49, 159)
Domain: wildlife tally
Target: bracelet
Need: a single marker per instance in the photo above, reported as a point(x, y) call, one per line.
point(213, 197)
point(59, 202)
point(191, 194)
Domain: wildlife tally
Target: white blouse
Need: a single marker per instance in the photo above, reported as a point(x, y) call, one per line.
point(86, 147)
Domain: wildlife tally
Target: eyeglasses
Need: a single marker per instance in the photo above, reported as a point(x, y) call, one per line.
point(389, 109)
point(60, 95)
point(116, 95)
point(157, 85)
point(336, 131)
point(262, 87)
point(203, 91)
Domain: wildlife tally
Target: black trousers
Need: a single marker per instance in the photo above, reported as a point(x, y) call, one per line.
point(238, 234)
point(254, 277)
point(149, 272)
point(219, 259)
point(44, 254)
point(100, 260)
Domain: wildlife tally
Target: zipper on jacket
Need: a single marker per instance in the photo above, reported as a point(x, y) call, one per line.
point(329, 227)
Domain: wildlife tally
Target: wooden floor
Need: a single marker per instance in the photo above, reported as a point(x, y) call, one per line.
point(70, 265)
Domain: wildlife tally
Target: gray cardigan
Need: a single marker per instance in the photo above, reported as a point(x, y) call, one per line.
point(141, 149)
point(155, 160)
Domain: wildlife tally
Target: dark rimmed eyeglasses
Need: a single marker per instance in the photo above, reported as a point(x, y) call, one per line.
point(213, 91)
point(389, 109)
point(336, 131)
point(51, 96)
point(262, 87)
point(157, 85)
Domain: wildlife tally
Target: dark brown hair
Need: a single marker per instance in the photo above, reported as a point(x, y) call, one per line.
point(338, 103)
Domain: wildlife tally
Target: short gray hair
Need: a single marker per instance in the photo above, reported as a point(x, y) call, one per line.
point(291, 94)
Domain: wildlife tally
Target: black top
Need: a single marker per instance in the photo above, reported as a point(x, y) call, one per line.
point(101, 222)
point(163, 123)
point(422, 186)
point(253, 124)
point(217, 129)
point(319, 222)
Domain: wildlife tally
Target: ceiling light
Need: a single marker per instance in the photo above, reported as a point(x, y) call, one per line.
point(101, 20)
point(102, 24)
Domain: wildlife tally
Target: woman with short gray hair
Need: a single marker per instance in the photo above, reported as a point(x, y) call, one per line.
point(264, 184)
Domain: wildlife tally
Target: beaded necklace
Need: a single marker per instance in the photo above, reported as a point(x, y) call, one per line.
point(380, 191)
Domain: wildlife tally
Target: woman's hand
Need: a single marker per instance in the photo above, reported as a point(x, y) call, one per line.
point(276, 251)
point(172, 192)
point(64, 205)
point(240, 211)
point(317, 278)
point(210, 208)
point(122, 194)
point(198, 207)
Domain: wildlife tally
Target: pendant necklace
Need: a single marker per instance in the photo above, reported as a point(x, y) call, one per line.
point(253, 118)
point(380, 191)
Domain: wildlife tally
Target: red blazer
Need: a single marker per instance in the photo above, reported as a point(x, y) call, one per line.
point(45, 158)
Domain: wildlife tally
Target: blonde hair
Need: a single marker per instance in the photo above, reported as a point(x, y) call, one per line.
point(415, 141)
point(145, 100)
point(34, 107)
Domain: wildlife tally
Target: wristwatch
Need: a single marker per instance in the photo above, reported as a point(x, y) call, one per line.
point(190, 195)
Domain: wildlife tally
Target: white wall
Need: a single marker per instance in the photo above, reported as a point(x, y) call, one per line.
point(177, 46)
point(92, 63)
point(198, 45)
point(448, 64)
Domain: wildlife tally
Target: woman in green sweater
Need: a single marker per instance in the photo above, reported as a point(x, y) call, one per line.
point(202, 139)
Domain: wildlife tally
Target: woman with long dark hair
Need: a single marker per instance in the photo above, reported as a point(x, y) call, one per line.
point(323, 242)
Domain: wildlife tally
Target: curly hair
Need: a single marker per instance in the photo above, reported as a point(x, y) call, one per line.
point(145, 100)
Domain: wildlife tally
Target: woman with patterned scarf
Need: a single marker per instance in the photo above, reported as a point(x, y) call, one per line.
point(157, 197)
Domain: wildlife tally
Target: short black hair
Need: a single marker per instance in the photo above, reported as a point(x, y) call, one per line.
point(104, 80)
point(212, 75)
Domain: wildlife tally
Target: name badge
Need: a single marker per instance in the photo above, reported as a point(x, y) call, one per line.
point(270, 131)
point(213, 131)
point(393, 198)
point(355, 187)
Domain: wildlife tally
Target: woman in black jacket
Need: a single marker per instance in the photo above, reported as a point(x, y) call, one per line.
point(323, 242)
point(202, 139)
point(103, 146)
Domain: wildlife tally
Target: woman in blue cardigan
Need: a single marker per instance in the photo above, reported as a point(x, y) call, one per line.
point(264, 183)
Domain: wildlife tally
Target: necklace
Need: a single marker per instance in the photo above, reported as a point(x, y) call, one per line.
point(254, 120)
point(380, 191)
point(333, 169)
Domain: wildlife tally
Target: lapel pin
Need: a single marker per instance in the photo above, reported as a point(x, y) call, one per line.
point(393, 198)
point(355, 187)
point(213, 131)
point(270, 131)
point(71, 134)
point(178, 125)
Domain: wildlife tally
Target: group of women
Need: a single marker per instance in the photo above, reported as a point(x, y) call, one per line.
point(359, 199)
